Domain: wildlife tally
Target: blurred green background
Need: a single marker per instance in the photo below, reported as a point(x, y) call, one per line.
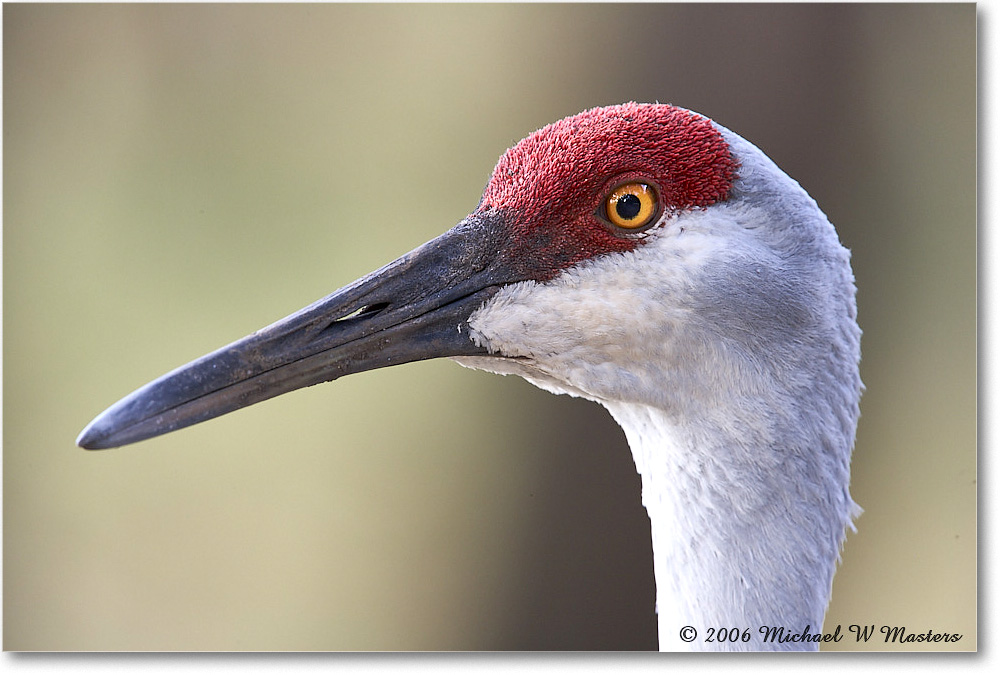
point(176, 177)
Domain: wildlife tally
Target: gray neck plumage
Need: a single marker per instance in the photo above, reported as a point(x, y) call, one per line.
point(745, 535)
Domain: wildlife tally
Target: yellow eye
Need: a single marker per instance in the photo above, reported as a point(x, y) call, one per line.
point(631, 206)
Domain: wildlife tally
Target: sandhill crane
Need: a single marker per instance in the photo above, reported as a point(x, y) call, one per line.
point(644, 257)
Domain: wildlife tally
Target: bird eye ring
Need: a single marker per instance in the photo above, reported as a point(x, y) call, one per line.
point(632, 206)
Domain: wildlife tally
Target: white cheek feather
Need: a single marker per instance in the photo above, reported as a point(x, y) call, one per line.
point(600, 327)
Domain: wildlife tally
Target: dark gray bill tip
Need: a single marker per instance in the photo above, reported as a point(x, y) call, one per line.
point(99, 436)
point(92, 438)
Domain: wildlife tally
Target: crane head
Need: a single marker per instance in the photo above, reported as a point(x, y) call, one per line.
point(608, 248)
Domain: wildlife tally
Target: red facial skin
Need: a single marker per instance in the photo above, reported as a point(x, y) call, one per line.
point(550, 187)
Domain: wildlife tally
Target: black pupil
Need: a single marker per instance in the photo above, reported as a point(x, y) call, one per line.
point(628, 206)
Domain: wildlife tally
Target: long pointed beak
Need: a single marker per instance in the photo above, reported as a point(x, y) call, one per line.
point(412, 309)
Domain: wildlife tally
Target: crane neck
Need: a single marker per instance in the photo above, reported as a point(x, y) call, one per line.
point(743, 537)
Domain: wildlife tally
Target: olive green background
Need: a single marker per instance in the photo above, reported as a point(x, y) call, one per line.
point(176, 177)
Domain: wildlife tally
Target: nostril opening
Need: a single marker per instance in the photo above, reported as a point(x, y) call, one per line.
point(369, 310)
point(364, 312)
